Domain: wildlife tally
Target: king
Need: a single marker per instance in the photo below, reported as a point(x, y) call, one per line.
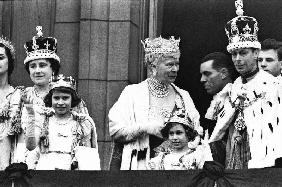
point(250, 115)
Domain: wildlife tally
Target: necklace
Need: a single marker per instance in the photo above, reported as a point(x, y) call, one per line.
point(157, 88)
point(39, 95)
point(64, 121)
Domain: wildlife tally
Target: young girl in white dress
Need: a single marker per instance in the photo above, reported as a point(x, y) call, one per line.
point(179, 156)
point(63, 130)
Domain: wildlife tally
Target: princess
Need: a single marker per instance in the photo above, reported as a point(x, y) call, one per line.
point(63, 130)
point(180, 155)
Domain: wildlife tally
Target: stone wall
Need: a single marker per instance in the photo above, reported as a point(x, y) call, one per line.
point(98, 43)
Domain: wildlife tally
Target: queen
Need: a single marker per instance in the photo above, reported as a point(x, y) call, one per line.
point(137, 117)
point(40, 63)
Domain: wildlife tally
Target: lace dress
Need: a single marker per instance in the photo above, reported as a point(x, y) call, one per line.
point(5, 141)
point(163, 114)
point(63, 137)
point(190, 159)
point(22, 119)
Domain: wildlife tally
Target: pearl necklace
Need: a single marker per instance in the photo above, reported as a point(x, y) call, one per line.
point(63, 121)
point(157, 88)
point(40, 95)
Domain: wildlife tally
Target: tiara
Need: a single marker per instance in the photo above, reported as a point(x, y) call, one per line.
point(161, 46)
point(62, 81)
point(180, 116)
point(7, 43)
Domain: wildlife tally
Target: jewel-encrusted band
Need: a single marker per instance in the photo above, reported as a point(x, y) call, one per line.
point(157, 88)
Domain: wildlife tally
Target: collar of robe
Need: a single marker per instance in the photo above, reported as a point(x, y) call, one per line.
point(248, 76)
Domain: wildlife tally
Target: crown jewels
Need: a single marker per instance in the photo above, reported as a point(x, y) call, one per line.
point(180, 116)
point(62, 81)
point(157, 88)
point(9, 45)
point(242, 30)
point(41, 47)
point(160, 46)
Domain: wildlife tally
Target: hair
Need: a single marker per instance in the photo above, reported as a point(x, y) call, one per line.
point(191, 134)
point(75, 98)
point(269, 43)
point(55, 66)
point(279, 53)
point(11, 61)
point(221, 60)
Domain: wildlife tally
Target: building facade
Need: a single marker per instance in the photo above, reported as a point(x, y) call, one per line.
point(99, 42)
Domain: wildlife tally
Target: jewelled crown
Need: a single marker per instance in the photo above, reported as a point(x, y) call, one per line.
point(160, 46)
point(41, 47)
point(242, 30)
point(62, 81)
point(7, 43)
point(180, 116)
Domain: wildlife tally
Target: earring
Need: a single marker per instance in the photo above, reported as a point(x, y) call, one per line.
point(154, 73)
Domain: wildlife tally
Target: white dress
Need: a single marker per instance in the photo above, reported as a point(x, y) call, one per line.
point(19, 109)
point(190, 159)
point(5, 142)
point(62, 137)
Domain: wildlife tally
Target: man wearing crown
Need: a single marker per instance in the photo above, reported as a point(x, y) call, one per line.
point(136, 119)
point(250, 113)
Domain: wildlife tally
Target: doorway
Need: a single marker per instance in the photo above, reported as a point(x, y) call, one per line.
point(200, 25)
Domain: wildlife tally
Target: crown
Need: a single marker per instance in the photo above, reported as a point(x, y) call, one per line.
point(7, 43)
point(62, 81)
point(180, 116)
point(41, 47)
point(242, 30)
point(160, 45)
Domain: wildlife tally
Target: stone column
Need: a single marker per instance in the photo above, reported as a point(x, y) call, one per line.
point(109, 58)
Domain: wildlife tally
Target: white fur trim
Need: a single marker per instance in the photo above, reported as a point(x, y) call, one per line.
point(39, 54)
point(246, 44)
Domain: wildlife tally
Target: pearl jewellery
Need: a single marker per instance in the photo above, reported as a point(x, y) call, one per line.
point(9, 45)
point(154, 48)
point(157, 88)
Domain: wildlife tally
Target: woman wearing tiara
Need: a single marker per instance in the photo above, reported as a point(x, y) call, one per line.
point(41, 63)
point(7, 58)
point(62, 130)
point(179, 131)
point(136, 119)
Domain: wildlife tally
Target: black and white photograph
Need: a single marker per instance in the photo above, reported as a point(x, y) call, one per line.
point(130, 92)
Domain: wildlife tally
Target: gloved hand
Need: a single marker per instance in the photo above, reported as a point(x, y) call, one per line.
point(74, 165)
point(153, 127)
point(29, 108)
